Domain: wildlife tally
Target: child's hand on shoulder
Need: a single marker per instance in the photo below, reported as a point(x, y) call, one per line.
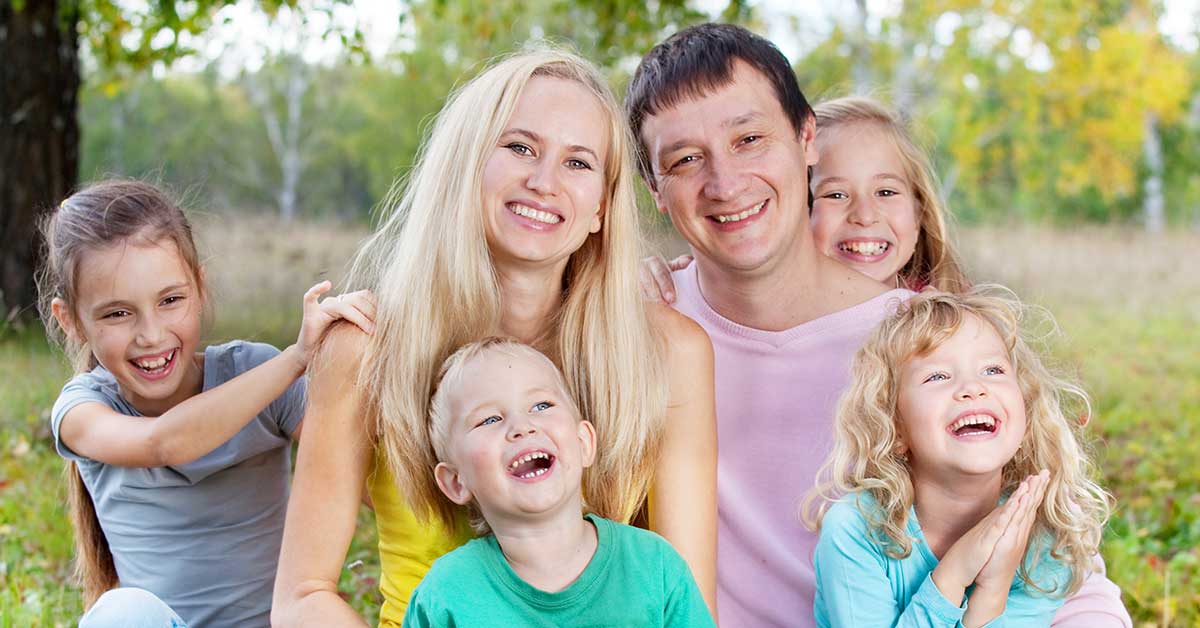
point(356, 307)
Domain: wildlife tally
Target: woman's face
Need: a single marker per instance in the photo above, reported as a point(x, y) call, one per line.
point(543, 185)
point(864, 209)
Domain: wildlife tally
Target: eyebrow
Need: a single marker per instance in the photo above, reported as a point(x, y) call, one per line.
point(738, 120)
point(574, 148)
point(116, 302)
point(878, 177)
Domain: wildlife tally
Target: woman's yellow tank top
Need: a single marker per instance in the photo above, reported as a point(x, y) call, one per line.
point(407, 547)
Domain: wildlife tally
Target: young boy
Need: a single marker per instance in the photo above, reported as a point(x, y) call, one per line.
point(511, 445)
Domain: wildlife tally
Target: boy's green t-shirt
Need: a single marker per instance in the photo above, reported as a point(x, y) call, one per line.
point(635, 579)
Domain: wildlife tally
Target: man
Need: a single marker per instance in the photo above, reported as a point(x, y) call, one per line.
point(725, 140)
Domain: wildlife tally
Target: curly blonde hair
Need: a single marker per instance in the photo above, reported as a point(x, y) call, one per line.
point(867, 439)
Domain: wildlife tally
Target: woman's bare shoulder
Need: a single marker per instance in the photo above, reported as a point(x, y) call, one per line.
point(684, 338)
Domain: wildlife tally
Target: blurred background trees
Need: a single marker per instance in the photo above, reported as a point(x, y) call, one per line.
point(1070, 111)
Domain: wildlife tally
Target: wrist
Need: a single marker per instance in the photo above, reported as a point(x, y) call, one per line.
point(297, 358)
point(984, 606)
point(949, 584)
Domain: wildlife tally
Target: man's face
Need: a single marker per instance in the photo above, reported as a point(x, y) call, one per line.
point(732, 173)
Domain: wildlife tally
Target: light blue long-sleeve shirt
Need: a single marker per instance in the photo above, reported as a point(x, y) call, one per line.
point(858, 585)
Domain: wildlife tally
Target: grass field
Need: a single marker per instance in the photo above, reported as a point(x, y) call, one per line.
point(1128, 308)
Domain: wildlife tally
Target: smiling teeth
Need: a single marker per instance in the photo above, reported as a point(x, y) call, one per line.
point(864, 248)
point(526, 458)
point(974, 419)
point(533, 214)
point(157, 363)
point(741, 216)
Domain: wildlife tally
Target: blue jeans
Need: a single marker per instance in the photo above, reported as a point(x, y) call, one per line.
point(129, 607)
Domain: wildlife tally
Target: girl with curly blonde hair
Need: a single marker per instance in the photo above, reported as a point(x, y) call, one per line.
point(951, 412)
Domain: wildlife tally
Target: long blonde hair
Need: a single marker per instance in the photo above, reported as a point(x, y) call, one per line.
point(934, 261)
point(437, 290)
point(867, 438)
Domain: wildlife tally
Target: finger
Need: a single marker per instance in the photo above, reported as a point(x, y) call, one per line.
point(341, 309)
point(362, 301)
point(681, 262)
point(313, 295)
point(1005, 514)
point(648, 287)
point(662, 277)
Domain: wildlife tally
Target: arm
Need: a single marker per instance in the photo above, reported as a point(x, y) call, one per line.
point(853, 588)
point(685, 481)
point(201, 423)
point(187, 431)
point(1097, 604)
point(331, 470)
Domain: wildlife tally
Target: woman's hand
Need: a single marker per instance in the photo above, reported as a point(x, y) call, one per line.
point(356, 307)
point(654, 276)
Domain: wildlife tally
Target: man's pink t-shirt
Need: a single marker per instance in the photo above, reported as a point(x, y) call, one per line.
point(776, 395)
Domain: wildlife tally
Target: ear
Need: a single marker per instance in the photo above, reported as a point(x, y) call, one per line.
point(808, 139)
point(658, 199)
point(597, 219)
point(66, 319)
point(451, 484)
point(587, 442)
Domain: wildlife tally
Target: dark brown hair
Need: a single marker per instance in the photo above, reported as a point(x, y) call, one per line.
point(698, 60)
point(98, 216)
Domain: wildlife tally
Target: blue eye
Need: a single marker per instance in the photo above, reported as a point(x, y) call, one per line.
point(490, 420)
point(937, 377)
point(541, 407)
point(994, 370)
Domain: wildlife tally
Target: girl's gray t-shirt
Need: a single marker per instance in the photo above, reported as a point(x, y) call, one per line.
point(203, 536)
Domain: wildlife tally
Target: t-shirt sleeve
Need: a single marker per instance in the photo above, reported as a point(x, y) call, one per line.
point(419, 613)
point(852, 583)
point(1097, 604)
point(685, 606)
point(287, 410)
point(77, 391)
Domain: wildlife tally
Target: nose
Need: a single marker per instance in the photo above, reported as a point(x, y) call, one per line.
point(150, 330)
point(724, 181)
point(520, 427)
point(863, 211)
point(970, 388)
point(543, 178)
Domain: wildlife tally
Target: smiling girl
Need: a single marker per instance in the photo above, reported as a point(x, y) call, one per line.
point(179, 454)
point(950, 413)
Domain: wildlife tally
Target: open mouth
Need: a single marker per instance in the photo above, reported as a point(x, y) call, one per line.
point(156, 365)
point(974, 425)
point(535, 215)
point(739, 216)
point(865, 248)
point(531, 465)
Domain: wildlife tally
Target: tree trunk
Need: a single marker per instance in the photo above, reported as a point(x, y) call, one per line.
point(39, 135)
point(1153, 205)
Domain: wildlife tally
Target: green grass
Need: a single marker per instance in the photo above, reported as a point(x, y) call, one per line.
point(1128, 310)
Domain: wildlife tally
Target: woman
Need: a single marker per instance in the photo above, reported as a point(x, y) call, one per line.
point(519, 220)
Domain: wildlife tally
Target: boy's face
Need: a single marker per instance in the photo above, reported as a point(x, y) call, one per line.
point(516, 444)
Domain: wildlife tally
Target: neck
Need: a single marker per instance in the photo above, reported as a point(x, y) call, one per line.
point(530, 299)
point(551, 552)
point(949, 507)
point(795, 288)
